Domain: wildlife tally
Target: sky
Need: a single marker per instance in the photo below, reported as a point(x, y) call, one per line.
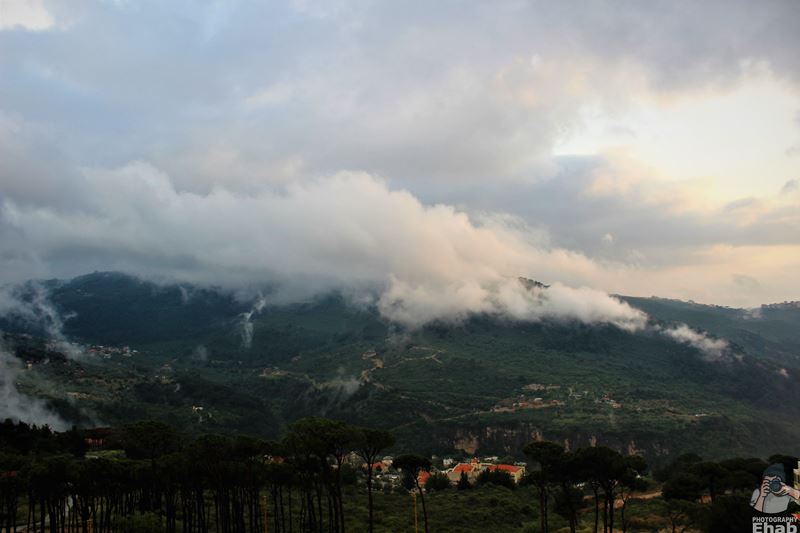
point(421, 154)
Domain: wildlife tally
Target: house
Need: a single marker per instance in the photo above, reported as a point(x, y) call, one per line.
point(516, 472)
point(96, 438)
point(470, 469)
point(423, 477)
point(377, 467)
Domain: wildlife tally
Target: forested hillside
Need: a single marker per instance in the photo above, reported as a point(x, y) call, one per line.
point(206, 360)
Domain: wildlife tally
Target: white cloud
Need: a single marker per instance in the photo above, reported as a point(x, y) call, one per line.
point(247, 321)
point(31, 305)
point(19, 406)
point(349, 232)
point(712, 349)
point(234, 98)
point(27, 14)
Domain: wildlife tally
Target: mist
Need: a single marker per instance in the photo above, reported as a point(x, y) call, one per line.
point(18, 406)
point(247, 321)
point(29, 304)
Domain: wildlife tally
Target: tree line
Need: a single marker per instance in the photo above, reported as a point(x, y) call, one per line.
point(160, 480)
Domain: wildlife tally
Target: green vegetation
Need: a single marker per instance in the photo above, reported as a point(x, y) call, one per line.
point(149, 477)
point(483, 386)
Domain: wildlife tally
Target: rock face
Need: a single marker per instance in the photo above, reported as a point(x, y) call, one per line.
point(511, 438)
point(468, 444)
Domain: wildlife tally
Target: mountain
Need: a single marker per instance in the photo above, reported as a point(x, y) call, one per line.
point(207, 361)
point(770, 331)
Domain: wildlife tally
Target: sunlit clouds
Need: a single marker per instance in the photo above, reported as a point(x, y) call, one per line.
point(425, 154)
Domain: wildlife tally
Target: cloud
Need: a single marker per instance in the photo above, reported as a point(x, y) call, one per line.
point(200, 353)
point(420, 94)
point(712, 349)
point(26, 14)
point(19, 406)
point(348, 232)
point(30, 304)
point(790, 186)
point(232, 99)
point(247, 321)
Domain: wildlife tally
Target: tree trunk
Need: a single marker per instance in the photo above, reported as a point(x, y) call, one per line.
point(369, 495)
point(422, 499)
point(542, 510)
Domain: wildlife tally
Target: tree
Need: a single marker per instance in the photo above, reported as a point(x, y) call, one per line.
point(568, 498)
point(370, 444)
point(437, 481)
point(548, 455)
point(680, 464)
point(730, 513)
point(683, 486)
point(681, 514)
point(414, 464)
point(631, 481)
point(567, 501)
point(712, 476)
point(681, 493)
point(743, 474)
point(496, 477)
point(326, 439)
point(149, 440)
point(463, 482)
point(603, 468)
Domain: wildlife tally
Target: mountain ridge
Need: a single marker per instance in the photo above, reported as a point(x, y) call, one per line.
point(483, 384)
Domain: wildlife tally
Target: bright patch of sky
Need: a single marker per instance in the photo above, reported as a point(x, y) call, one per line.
point(741, 141)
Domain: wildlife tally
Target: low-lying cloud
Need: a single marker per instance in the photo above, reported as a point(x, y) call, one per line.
point(349, 232)
point(18, 406)
point(711, 348)
point(247, 321)
point(29, 304)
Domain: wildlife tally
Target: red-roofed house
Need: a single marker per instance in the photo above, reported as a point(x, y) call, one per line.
point(377, 467)
point(423, 477)
point(516, 472)
point(471, 470)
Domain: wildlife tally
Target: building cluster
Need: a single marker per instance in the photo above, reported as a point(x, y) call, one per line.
point(107, 351)
point(386, 477)
point(608, 400)
point(522, 401)
point(475, 468)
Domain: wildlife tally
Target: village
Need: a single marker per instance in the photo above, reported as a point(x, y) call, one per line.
point(458, 474)
point(539, 396)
